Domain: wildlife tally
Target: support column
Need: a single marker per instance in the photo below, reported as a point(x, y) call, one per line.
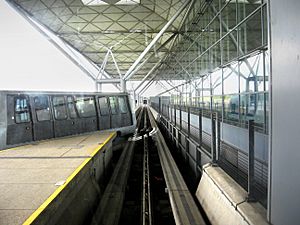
point(123, 85)
point(284, 157)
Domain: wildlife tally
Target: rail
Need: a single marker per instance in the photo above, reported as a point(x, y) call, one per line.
point(184, 208)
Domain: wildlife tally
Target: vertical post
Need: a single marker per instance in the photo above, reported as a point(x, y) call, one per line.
point(200, 144)
point(189, 120)
point(171, 114)
point(187, 149)
point(180, 117)
point(200, 127)
point(218, 135)
point(251, 161)
point(96, 86)
point(213, 139)
point(123, 85)
point(175, 115)
point(159, 103)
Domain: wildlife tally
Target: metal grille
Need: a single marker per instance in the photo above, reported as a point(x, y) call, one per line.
point(194, 133)
point(206, 141)
point(235, 163)
point(184, 126)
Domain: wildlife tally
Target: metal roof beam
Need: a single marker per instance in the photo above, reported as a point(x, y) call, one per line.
point(177, 86)
point(149, 73)
point(152, 55)
point(157, 37)
point(108, 81)
point(146, 87)
point(118, 32)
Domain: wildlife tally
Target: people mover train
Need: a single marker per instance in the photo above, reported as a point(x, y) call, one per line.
point(33, 116)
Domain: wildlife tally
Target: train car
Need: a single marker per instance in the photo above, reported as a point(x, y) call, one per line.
point(27, 116)
point(145, 101)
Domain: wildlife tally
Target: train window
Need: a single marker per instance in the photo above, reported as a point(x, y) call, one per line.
point(71, 107)
point(86, 106)
point(103, 103)
point(113, 105)
point(42, 110)
point(59, 106)
point(22, 114)
point(122, 104)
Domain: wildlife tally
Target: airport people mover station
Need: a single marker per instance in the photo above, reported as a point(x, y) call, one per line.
point(149, 112)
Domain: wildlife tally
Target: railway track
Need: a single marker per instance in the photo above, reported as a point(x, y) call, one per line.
point(146, 186)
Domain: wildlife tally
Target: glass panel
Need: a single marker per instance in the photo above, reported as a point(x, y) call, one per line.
point(216, 79)
point(214, 31)
point(103, 103)
point(22, 114)
point(250, 34)
point(113, 105)
point(21, 104)
point(252, 74)
point(265, 25)
point(229, 44)
point(216, 4)
point(231, 80)
point(245, 8)
point(252, 107)
point(267, 70)
point(204, 63)
point(215, 53)
point(231, 107)
point(217, 103)
point(206, 102)
point(205, 18)
point(22, 117)
point(228, 15)
point(42, 109)
point(59, 107)
point(86, 106)
point(260, 112)
point(123, 104)
point(71, 107)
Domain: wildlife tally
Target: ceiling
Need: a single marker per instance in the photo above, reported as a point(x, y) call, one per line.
point(111, 33)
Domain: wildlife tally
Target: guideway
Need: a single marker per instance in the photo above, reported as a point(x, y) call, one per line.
point(146, 186)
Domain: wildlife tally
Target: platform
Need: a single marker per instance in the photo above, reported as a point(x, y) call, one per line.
point(217, 190)
point(36, 177)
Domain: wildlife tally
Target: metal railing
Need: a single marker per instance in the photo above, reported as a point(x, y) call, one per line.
point(250, 172)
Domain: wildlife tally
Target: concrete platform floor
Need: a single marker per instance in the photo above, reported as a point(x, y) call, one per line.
point(30, 174)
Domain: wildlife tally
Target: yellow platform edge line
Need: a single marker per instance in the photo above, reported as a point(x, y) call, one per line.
point(42, 207)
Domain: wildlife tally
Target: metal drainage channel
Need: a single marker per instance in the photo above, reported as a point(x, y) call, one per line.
point(146, 186)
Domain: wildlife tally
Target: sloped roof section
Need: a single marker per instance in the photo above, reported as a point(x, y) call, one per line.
point(123, 29)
